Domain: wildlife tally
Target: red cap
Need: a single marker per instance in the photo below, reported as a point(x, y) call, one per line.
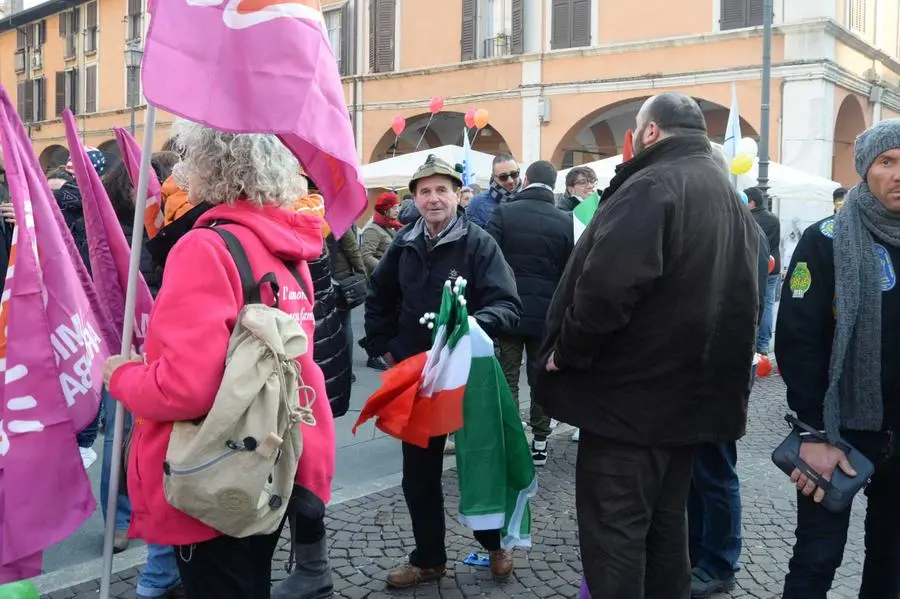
point(386, 201)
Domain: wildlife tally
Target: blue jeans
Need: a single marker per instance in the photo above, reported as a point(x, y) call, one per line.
point(714, 510)
point(764, 336)
point(161, 571)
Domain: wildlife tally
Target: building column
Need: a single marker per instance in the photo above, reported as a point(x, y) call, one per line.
point(533, 20)
point(807, 126)
point(531, 120)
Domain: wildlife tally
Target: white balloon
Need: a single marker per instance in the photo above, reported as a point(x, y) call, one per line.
point(749, 146)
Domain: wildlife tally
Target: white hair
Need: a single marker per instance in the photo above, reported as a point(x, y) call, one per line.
point(220, 167)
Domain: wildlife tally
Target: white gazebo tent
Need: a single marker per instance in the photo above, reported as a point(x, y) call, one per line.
point(394, 173)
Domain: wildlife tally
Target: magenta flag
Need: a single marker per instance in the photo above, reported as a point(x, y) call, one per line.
point(131, 156)
point(259, 66)
point(107, 246)
point(52, 362)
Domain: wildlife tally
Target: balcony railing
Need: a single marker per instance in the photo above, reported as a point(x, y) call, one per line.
point(498, 46)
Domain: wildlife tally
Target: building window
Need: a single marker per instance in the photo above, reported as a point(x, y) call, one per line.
point(21, 97)
point(735, 14)
point(134, 20)
point(492, 28)
point(66, 91)
point(333, 20)
point(570, 24)
point(857, 13)
point(31, 100)
point(68, 30)
point(382, 22)
point(21, 52)
point(90, 89)
point(90, 31)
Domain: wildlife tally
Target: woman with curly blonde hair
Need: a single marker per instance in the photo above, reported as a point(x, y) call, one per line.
point(251, 181)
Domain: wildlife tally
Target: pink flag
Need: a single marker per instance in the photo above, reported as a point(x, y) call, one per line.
point(131, 156)
point(107, 246)
point(52, 370)
point(262, 66)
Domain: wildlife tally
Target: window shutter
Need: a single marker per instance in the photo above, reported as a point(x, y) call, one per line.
point(372, 42)
point(29, 101)
point(384, 35)
point(90, 89)
point(560, 24)
point(61, 83)
point(581, 23)
point(346, 50)
point(40, 86)
point(518, 27)
point(756, 12)
point(29, 34)
point(733, 14)
point(469, 31)
point(76, 20)
point(20, 100)
point(92, 15)
point(21, 39)
point(134, 7)
point(858, 15)
point(63, 24)
point(73, 89)
point(42, 33)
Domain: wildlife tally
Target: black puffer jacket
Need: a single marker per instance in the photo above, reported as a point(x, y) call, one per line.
point(536, 239)
point(151, 273)
point(330, 350)
point(409, 281)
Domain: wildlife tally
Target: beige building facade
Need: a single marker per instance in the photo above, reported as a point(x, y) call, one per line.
point(562, 79)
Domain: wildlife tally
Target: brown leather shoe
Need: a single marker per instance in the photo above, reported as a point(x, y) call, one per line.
point(409, 576)
point(502, 563)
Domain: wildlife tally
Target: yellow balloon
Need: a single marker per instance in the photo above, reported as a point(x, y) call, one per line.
point(741, 164)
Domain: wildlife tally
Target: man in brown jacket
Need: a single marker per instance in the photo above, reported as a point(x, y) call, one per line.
point(648, 346)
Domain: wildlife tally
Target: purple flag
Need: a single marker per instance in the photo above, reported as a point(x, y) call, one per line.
point(107, 246)
point(52, 365)
point(259, 66)
point(131, 156)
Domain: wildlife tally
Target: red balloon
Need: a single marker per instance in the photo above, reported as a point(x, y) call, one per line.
point(771, 264)
point(436, 104)
point(398, 125)
point(470, 118)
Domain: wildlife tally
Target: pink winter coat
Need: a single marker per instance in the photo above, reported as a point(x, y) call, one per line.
point(187, 340)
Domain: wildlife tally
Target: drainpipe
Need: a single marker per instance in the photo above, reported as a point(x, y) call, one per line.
point(876, 97)
point(763, 182)
point(359, 13)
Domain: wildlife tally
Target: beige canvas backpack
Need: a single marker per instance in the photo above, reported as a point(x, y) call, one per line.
point(234, 469)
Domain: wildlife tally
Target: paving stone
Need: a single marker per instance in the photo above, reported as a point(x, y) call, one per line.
point(371, 535)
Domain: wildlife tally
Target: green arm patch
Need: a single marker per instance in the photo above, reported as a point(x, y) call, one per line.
point(801, 280)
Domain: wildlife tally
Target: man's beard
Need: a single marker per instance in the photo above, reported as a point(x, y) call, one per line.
point(637, 142)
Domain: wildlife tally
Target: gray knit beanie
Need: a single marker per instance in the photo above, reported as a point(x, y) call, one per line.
point(873, 142)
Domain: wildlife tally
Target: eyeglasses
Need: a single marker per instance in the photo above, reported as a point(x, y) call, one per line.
point(584, 182)
point(503, 177)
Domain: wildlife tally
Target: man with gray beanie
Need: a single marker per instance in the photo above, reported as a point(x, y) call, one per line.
point(536, 239)
point(838, 349)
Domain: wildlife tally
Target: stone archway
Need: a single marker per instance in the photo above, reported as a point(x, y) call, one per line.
point(850, 122)
point(601, 133)
point(53, 156)
point(445, 129)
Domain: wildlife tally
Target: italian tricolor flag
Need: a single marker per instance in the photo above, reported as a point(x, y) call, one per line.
point(584, 212)
point(458, 386)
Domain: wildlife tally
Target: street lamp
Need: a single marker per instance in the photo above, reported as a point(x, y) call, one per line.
point(133, 56)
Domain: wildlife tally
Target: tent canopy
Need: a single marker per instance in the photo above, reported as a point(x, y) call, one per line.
point(395, 173)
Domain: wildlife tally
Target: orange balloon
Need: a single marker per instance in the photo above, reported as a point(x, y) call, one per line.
point(482, 118)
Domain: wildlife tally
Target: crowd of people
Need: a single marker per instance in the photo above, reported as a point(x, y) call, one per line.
point(644, 334)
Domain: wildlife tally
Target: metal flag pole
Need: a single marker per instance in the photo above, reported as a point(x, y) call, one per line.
point(763, 182)
point(137, 239)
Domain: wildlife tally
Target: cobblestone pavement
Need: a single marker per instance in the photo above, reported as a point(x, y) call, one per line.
point(371, 535)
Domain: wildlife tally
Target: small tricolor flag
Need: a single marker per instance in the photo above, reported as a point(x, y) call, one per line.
point(584, 212)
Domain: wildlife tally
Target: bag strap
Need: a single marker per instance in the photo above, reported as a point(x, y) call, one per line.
point(251, 287)
point(794, 421)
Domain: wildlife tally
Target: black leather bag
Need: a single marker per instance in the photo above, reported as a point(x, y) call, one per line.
point(352, 291)
point(841, 489)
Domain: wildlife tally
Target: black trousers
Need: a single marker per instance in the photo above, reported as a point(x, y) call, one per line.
point(821, 535)
point(227, 567)
point(422, 470)
point(632, 518)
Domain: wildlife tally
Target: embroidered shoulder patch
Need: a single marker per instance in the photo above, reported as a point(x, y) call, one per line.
point(826, 228)
point(801, 280)
point(888, 274)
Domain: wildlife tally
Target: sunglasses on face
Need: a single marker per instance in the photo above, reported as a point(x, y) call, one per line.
point(505, 176)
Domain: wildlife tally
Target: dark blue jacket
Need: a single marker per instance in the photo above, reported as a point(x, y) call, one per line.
point(481, 208)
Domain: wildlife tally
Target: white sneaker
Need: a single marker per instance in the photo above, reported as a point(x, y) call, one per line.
point(88, 456)
point(576, 435)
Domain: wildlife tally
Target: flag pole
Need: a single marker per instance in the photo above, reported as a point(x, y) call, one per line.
point(137, 239)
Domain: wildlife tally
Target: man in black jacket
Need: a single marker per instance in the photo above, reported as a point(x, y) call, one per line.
point(648, 347)
point(536, 239)
point(409, 282)
point(838, 347)
point(772, 228)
